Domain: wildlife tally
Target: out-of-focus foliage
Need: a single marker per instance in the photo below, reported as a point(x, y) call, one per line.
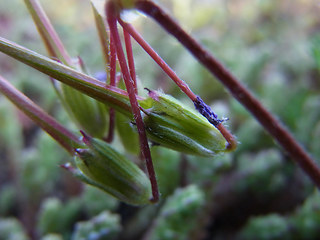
point(11, 229)
point(57, 217)
point(303, 223)
point(52, 237)
point(177, 216)
point(105, 226)
point(256, 192)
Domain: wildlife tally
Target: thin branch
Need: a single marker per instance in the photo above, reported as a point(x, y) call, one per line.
point(127, 40)
point(154, 55)
point(112, 76)
point(113, 63)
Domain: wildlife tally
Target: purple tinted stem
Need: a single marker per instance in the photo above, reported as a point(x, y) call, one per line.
point(127, 40)
point(113, 63)
point(57, 131)
point(112, 16)
point(112, 77)
point(165, 67)
point(241, 93)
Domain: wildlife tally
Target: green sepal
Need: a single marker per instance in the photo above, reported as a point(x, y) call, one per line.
point(89, 114)
point(172, 124)
point(103, 167)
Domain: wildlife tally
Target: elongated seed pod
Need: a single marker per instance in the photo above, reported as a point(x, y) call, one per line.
point(102, 166)
point(172, 124)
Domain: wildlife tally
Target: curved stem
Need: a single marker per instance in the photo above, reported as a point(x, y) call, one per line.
point(238, 90)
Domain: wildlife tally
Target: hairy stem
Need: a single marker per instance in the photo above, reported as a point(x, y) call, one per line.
point(238, 90)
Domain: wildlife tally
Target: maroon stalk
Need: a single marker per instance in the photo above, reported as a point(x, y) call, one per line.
point(113, 63)
point(165, 67)
point(127, 40)
point(112, 16)
point(112, 76)
point(238, 90)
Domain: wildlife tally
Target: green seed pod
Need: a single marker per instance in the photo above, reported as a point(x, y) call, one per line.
point(103, 167)
point(173, 125)
point(89, 114)
point(127, 133)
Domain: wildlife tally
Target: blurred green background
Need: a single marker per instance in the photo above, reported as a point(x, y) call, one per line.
point(256, 192)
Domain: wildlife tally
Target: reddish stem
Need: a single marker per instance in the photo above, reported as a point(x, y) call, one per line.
point(127, 40)
point(241, 93)
point(112, 76)
point(232, 142)
point(165, 67)
point(112, 16)
point(113, 63)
